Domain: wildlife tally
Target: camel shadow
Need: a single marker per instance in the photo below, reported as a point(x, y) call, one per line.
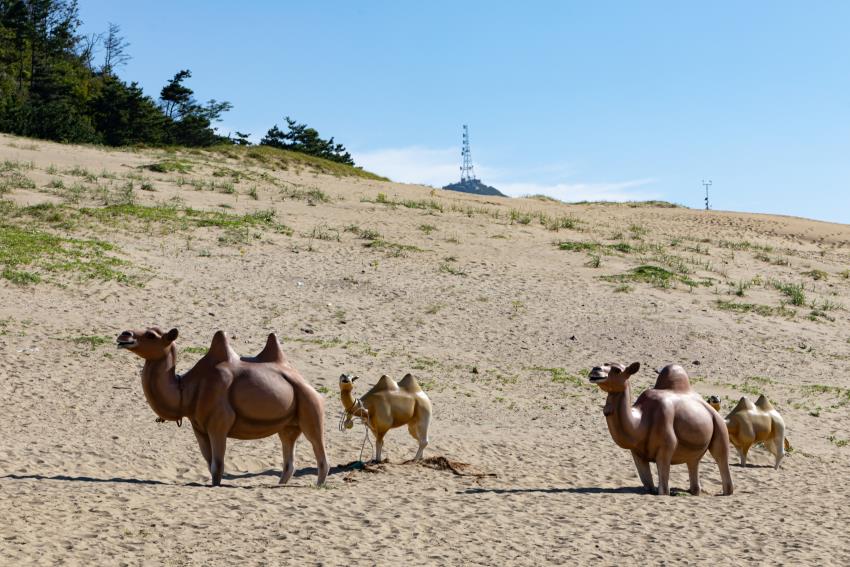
point(751, 466)
point(306, 471)
point(68, 478)
point(575, 490)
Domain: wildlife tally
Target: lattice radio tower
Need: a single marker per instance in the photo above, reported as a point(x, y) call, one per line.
point(466, 173)
point(706, 184)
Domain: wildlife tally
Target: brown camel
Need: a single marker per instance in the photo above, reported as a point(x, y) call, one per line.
point(227, 396)
point(669, 424)
point(388, 405)
point(750, 423)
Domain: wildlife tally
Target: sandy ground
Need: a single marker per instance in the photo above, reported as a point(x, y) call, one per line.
point(87, 477)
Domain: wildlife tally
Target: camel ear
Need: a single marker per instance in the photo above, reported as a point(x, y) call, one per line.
point(354, 378)
point(633, 368)
point(171, 335)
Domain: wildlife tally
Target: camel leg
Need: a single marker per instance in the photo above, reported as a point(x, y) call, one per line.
point(287, 441)
point(419, 430)
point(742, 454)
point(662, 463)
point(693, 475)
point(218, 427)
point(778, 444)
point(379, 444)
point(204, 444)
point(644, 472)
point(719, 449)
point(315, 435)
point(218, 445)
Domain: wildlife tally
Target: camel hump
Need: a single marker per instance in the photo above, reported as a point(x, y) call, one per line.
point(385, 383)
point(271, 352)
point(220, 350)
point(673, 377)
point(743, 405)
point(409, 383)
point(763, 404)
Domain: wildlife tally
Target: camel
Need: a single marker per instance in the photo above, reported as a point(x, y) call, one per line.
point(750, 423)
point(224, 396)
point(669, 424)
point(714, 401)
point(388, 405)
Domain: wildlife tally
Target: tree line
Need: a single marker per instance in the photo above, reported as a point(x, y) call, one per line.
point(58, 84)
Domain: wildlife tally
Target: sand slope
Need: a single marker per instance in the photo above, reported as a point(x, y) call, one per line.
point(87, 476)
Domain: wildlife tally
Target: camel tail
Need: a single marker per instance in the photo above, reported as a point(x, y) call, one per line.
point(409, 383)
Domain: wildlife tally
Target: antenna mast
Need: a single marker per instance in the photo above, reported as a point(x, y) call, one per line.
point(706, 184)
point(466, 173)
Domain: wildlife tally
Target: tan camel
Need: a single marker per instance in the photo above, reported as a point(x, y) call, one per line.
point(714, 401)
point(750, 423)
point(669, 424)
point(388, 405)
point(227, 396)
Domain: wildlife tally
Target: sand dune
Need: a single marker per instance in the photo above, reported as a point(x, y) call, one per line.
point(453, 283)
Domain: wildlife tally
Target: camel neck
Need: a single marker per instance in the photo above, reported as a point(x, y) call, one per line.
point(163, 388)
point(623, 420)
point(347, 399)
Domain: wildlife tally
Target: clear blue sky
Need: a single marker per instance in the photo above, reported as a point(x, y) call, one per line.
point(576, 99)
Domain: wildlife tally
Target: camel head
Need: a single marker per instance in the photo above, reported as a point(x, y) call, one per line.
point(611, 377)
point(346, 382)
point(714, 401)
point(151, 343)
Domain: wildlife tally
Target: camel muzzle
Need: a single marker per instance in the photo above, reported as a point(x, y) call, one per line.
point(126, 340)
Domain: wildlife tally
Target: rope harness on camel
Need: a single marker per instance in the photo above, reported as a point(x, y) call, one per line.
point(348, 416)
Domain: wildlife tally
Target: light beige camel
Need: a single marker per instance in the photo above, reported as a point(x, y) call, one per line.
point(750, 423)
point(386, 406)
point(669, 424)
point(227, 396)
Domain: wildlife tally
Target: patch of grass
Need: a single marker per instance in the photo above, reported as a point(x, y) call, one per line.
point(561, 376)
point(845, 274)
point(816, 274)
point(655, 276)
point(557, 223)
point(252, 192)
point(14, 180)
point(520, 217)
point(323, 232)
point(91, 341)
point(310, 194)
point(764, 310)
point(449, 269)
point(195, 350)
point(170, 166)
point(637, 231)
point(794, 292)
point(20, 277)
point(392, 248)
point(577, 246)
point(434, 309)
point(275, 158)
point(623, 288)
point(427, 228)
point(45, 252)
point(423, 204)
point(594, 261)
point(838, 442)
